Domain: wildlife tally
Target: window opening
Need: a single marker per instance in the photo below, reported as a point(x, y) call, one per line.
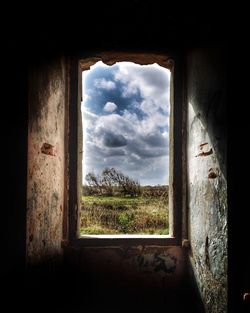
point(125, 113)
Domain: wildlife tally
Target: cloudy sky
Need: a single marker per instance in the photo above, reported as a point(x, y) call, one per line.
point(125, 110)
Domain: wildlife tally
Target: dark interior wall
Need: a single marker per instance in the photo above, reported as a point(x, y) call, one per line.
point(14, 118)
point(132, 278)
point(207, 177)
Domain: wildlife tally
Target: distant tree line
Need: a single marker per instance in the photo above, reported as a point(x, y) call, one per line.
point(111, 182)
point(155, 191)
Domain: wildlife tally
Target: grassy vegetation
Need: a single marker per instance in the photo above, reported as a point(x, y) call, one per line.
point(145, 214)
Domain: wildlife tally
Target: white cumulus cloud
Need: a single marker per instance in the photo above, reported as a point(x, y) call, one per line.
point(151, 81)
point(103, 83)
point(110, 107)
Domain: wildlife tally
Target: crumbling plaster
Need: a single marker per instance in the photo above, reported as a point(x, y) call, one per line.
point(207, 184)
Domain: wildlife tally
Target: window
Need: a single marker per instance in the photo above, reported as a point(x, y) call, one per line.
point(125, 118)
point(100, 125)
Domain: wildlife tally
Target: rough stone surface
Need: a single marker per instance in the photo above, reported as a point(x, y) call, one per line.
point(45, 191)
point(207, 185)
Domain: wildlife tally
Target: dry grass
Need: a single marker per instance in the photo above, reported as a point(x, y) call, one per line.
point(146, 214)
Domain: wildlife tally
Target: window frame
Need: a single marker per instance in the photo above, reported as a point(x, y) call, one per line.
point(71, 231)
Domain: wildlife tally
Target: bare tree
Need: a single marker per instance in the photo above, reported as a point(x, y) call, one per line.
point(126, 185)
point(94, 182)
point(107, 183)
point(113, 180)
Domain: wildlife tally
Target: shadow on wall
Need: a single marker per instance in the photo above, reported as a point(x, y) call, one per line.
point(207, 83)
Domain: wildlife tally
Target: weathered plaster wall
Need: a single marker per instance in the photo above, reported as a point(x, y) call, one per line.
point(207, 184)
point(145, 266)
point(45, 195)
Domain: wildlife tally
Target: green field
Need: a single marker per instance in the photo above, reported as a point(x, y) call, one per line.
point(145, 214)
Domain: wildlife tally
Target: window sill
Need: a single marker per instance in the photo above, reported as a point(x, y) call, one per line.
point(123, 240)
